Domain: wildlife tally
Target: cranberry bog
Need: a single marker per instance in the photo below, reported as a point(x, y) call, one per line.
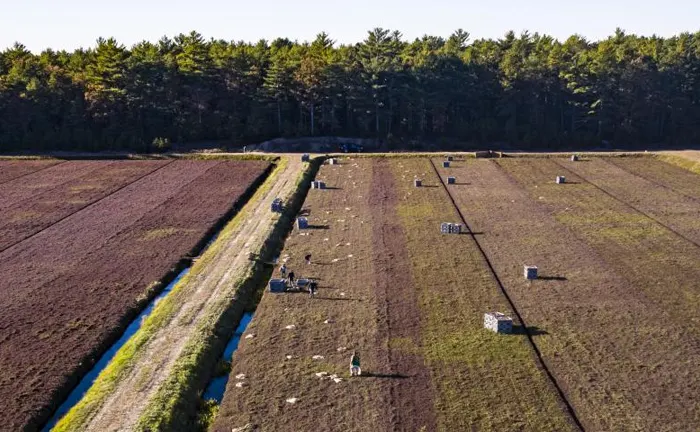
point(606, 338)
point(85, 245)
point(409, 299)
point(617, 298)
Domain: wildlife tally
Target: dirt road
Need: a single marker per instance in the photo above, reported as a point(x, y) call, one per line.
point(122, 409)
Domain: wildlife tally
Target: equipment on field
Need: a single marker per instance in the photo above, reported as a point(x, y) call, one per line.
point(498, 322)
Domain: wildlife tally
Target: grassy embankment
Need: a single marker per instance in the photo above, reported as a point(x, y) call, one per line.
point(175, 405)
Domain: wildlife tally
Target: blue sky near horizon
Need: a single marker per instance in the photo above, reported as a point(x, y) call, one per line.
point(70, 24)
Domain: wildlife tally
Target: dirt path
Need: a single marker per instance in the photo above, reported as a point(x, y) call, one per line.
point(123, 407)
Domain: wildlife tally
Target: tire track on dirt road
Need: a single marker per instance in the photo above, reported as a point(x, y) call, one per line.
point(123, 407)
point(538, 354)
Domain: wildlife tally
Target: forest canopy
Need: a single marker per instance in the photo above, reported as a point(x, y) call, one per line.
point(529, 90)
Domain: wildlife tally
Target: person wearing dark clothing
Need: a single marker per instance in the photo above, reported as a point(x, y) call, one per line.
point(355, 364)
point(291, 279)
point(312, 288)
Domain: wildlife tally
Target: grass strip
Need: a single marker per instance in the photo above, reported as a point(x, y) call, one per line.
point(176, 403)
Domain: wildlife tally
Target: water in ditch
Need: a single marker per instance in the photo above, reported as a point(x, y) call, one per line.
point(77, 394)
point(216, 388)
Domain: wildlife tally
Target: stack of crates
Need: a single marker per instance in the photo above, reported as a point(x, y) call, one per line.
point(449, 158)
point(302, 223)
point(498, 322)
point(318, 185)
point(305, 157)
point(561, 180)
point(574, 158)
point(450, 228)
point(277, 205)
point(451, 180)
point(417, 183)
point(446, 164)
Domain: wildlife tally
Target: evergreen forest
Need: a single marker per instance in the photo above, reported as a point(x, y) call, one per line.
point(527, 90)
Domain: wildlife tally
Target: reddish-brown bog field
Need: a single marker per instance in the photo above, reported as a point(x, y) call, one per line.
point(10, 169)
point(411, 302)
point(83, 244)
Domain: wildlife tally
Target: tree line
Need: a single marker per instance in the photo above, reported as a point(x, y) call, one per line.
point(529, 90)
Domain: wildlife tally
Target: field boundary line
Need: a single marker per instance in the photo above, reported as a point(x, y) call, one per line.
point(86, 206)
point(540, 359)
point(33, 172)
point(625, 203)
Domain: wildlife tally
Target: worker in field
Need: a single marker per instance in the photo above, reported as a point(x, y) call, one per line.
point(355, 364)
point(290, 278)
point(283, 271)
point(313, 286)
point(308, 259)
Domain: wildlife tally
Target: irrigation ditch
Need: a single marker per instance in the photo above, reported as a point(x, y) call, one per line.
point(190, 410)
point(540, 360)
point(183, 400)
point(65, 396)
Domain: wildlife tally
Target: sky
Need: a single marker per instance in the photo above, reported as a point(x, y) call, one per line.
point(70, 24)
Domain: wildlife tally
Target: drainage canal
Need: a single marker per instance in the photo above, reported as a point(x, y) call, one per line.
point(77, 394)
point(216, 388)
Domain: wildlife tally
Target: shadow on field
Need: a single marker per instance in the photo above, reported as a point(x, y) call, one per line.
point(337, 298)
point(430, 186)
point(382, 375)
point(532, 330)
point(548, 278)
point(332, 188)
point(319, 227)
point(570, 183)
